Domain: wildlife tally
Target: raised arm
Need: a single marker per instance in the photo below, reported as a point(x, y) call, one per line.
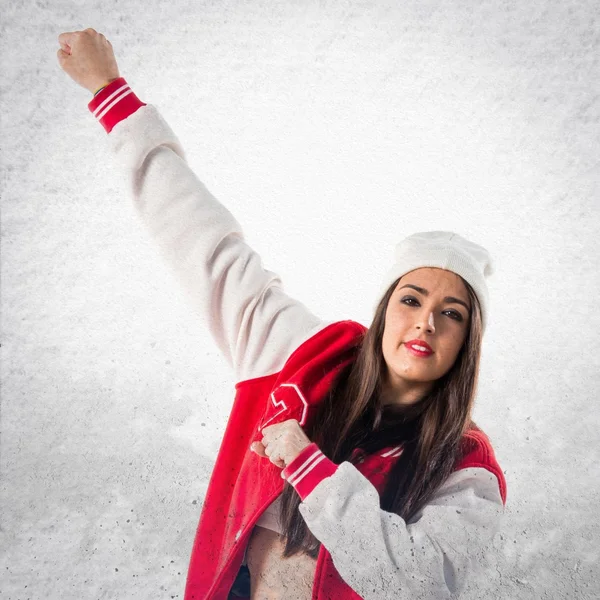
point(255, 324)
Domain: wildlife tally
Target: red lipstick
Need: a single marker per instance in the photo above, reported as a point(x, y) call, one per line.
point(419, 352)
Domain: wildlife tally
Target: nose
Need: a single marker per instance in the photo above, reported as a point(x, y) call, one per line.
point(430, 326)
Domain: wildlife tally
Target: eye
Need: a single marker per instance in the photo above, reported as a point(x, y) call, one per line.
point(409, 298)
point(453, 313)
point(457, 316)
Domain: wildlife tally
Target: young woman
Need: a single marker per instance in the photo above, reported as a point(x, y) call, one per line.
point(350, 466)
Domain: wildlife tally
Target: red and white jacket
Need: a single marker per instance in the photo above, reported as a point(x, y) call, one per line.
point(284, 360)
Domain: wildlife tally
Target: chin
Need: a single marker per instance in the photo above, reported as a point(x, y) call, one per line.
point(414, 376)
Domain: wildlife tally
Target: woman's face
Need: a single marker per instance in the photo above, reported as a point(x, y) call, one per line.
point(430, 315)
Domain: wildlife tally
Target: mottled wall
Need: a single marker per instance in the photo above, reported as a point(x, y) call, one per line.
point(331, 130)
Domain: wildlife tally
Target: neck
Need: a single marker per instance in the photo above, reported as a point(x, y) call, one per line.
point(401, 396)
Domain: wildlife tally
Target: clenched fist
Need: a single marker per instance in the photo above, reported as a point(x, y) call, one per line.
point(281, 443)
point(88, 58)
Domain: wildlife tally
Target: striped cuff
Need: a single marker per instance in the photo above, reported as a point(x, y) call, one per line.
point(308, 469)
point(114, 104)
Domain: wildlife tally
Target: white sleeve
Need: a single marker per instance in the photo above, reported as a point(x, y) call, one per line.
point(380, 556)
point(255, 324)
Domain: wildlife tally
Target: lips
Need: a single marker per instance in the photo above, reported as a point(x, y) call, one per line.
point(410, 345)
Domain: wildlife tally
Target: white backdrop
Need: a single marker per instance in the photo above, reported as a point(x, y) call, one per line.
point(331, 130)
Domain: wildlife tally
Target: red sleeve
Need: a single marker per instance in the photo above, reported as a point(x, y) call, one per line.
point(114, 103)
point(308, 469)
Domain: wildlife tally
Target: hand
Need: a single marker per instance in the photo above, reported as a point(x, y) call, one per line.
point(88, 58)
point(281, 443)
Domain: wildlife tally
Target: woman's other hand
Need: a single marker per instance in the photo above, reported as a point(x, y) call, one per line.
point(281, 443)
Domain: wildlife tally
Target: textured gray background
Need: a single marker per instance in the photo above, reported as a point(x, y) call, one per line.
point(331, 130)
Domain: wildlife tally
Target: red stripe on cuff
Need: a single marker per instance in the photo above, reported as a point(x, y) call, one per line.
point(308, 469)
point(114, 104)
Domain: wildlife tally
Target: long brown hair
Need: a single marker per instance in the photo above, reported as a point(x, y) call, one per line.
point(430, 429)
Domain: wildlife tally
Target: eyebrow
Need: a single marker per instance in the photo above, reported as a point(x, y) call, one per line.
point(423, 291)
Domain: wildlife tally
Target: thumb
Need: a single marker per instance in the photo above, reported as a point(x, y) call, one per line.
point(64, 44)
point(66, 40)
point(258, 448)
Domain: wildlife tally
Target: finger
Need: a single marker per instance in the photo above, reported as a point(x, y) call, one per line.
point(258, 448)
point(265, 451)
point(61, 54)
point(66, 38)
point(277, 460)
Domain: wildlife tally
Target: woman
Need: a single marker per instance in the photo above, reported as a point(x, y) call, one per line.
point(350, 466)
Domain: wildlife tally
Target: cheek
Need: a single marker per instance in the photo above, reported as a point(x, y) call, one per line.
point(391, 338)
point(452, 350)
point(394, 326)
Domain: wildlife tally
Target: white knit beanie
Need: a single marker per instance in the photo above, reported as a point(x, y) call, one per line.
point(444, 250)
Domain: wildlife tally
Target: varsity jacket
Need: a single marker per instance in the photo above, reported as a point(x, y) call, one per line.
point(284, 360)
